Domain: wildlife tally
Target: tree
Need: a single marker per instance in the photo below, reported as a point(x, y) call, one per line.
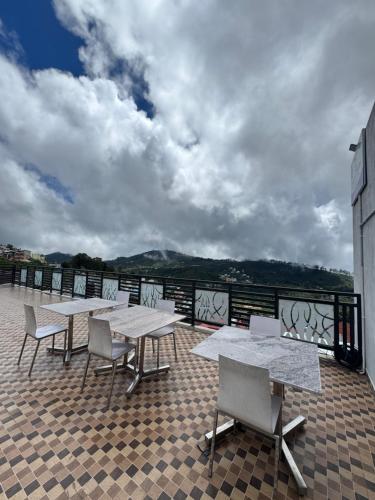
point(84, 261)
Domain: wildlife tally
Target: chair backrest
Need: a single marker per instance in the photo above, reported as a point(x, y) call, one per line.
point(30, 320)
point(123, 299)
point(262, 325)
point(244, 393)
point(100, 338)
point(165, 305)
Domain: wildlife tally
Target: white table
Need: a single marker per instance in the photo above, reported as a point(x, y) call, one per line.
point(136, 323)
point(69, 309)
point(289, 362)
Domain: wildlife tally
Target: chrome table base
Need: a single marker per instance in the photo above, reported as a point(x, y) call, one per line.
point(139, 373)
point(69, 353)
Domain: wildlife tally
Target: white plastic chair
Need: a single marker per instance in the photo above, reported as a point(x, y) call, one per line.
point(244, 394)
point(168, 306)
point(39, 333)
point(262, 325)
point(123, 299)
point(103, 345)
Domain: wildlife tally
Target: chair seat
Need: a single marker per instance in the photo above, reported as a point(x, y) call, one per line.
point(46, 331)
point(165, 330)
point(121, 348)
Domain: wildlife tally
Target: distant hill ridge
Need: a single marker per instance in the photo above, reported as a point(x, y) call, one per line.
point(169, 263)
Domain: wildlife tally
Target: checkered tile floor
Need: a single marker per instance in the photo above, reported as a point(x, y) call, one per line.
point(57, 443)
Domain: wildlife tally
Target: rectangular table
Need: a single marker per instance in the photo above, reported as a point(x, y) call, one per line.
point(69, 309)
point(289, 362)
point(136, 323)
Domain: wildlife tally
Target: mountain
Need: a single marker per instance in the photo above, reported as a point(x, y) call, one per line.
point(58, 257)
point(278, 273)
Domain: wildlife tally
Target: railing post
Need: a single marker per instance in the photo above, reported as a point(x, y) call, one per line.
point(276, 303)
point(139, 289)
point(336, 327)
point(13, 274)
point(41, 282)
point(62, 280)
point(230, 304)
point(101, 284)
point(87, 280)
point(193, 286)
point(73, 282)
point(164, 285)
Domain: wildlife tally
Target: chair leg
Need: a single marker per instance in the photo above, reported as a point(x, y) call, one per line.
point(32, 363)
point(210, 466)
point(277, 458)
point(136, 350)
point(175, 348)
point(158, 354)
point(278, 444)
point(63, 358)
point(85, 372)
point(23, 347)
point(114, 367)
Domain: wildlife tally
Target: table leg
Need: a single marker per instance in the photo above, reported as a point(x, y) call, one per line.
point(70, 350)
point(139, 374)
point(301, 485)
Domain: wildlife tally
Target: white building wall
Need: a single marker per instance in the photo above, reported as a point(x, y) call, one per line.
point(364, 250)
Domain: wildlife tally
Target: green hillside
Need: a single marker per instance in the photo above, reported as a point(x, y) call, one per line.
point(58, 257)
point(174, 264)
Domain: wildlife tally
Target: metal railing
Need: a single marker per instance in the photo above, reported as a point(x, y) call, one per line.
point(330, 319)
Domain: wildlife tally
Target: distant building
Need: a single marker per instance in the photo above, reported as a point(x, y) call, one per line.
point(38, 256)
point(14, 254)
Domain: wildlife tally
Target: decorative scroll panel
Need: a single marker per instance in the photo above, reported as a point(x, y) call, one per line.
point(211, 306)
point(150, 293)
point(307, 321)
point(38, 278)
point(79, 284)
point(56, 281)
point(110, 287)
point(23, 276)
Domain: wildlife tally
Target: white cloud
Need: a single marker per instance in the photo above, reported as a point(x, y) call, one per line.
point(246, 156)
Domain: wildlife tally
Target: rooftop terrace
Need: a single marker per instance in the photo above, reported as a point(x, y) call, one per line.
point(59, 443)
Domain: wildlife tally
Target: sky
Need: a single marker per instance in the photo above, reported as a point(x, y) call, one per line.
point(214, 128)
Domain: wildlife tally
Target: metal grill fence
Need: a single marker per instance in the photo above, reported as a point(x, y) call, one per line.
point(330, 319)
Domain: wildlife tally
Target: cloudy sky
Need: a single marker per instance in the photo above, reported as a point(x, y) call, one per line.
point(214, 128)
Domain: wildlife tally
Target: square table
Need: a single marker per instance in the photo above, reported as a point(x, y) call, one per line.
point(136, 323)
point(69, 309)
point(290, 362)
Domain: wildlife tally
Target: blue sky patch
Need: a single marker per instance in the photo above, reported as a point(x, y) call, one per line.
point(52, 183)
point(45, 42)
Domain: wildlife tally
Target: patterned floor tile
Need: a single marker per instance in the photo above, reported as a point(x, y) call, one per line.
point(58, 443)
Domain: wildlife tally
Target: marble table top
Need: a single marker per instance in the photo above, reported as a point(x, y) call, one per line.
point(72, 307)
point(138, 321)
point(289, 362)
